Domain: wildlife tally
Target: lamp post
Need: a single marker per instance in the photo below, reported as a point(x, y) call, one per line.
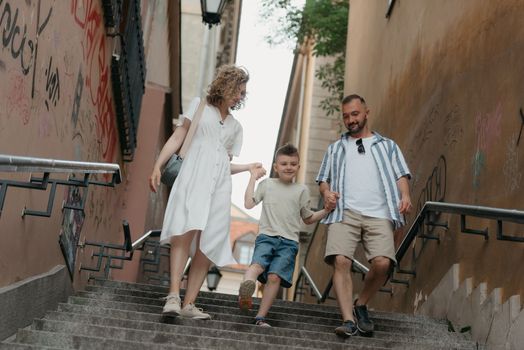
point(212, 11)
point(213, 277)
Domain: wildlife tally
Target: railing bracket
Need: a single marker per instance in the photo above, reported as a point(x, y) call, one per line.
point(464, 229)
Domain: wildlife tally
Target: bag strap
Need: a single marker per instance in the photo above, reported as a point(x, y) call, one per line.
point(192, 128)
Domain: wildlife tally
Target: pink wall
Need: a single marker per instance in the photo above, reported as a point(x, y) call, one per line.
point(56, 101)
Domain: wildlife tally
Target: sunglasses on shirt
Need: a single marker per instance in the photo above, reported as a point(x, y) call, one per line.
point(360, 147)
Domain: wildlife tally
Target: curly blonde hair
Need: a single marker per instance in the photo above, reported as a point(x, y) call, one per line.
point(227, 84)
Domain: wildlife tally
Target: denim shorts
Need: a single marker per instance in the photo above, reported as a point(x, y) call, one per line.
point(276, 255)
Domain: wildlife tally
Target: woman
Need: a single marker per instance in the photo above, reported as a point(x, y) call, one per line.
point(197, 217)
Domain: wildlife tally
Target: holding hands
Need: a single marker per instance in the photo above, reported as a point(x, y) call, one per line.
point(257, 170)
point(330, 200)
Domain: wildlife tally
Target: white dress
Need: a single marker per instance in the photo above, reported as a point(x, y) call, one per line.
point(201, 195)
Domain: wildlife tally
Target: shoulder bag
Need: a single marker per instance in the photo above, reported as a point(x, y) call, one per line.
point(174, 164)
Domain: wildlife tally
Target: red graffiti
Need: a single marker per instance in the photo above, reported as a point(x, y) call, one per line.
point(88, 17)
point(18, 102)
point(488, 128)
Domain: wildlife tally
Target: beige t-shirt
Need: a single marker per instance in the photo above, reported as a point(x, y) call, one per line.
point(284, 206)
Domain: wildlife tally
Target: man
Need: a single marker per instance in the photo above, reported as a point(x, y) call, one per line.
point(364, 178)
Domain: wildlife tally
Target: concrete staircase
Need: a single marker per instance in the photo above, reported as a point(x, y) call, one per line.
point(120, 315)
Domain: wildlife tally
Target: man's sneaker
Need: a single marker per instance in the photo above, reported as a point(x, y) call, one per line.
point(364, 324)
point(245, 294)
point(261, 321)
point(191, 311)
point(347, 329)
point(172, 306)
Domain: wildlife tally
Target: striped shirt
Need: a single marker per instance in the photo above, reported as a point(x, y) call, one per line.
point(391, 167)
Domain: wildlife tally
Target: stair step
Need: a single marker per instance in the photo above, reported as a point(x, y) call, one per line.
point(123, 315)
point(20, 346)
point(241, 323)
point(246, 332)
point(174, 336)
point(278, 306)
point(72, 341)
point(287, 315)
point(150, 332)
point(162, 291)
point(287, 325)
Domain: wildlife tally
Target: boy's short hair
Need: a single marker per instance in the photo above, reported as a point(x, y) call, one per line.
point(287, 150)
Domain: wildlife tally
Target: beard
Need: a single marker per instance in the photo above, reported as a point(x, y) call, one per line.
point(356, 128)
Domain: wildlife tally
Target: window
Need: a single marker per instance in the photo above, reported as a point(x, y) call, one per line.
point(245, 253)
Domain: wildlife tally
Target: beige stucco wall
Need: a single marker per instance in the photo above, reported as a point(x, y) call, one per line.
point(444, 79)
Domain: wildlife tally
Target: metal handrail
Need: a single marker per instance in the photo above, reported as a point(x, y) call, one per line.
point(498, 214)
point(46, 166)
point(127, 249)
point(10, 163)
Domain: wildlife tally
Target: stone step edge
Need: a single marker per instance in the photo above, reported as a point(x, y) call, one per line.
point(147, 287)
point(278, 303)
point(177, 329)
point(11, 345)
point(187, 337)
point(92, 339)
point(234, 310)
point(382, 335)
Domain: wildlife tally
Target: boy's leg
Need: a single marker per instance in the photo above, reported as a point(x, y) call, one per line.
point(253, 271)
point(270, 293)
point(264, 247)
point(247, 287)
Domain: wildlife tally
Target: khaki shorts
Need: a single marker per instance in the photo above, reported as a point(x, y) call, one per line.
point(376, 235)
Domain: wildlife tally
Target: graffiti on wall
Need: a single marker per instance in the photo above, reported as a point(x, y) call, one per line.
point(52, 86)
point(15, 38)
point(77, 98)
point(97, 73)
point(521, 125)
point(487, 126)
point(72, 223)
point(440, 125)
point(434, 190)
point(17, 98)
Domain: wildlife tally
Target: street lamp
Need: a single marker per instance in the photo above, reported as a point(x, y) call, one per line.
point(212, 11)
point(213, 277)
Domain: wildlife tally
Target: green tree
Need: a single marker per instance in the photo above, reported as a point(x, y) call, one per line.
point(323, 21)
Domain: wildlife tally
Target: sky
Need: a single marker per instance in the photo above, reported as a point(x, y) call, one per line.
point(269, 69)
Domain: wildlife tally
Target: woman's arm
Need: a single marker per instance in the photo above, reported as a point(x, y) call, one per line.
point(172, 145)
point(238, 168)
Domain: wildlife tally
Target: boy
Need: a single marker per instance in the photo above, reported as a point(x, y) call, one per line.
point(276, 246)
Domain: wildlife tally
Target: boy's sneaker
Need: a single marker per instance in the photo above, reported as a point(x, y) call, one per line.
point(191, 311)
point(347, 329)
point(245, 294)
point(364, 324)
point(261, 321)
point(172, 306)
